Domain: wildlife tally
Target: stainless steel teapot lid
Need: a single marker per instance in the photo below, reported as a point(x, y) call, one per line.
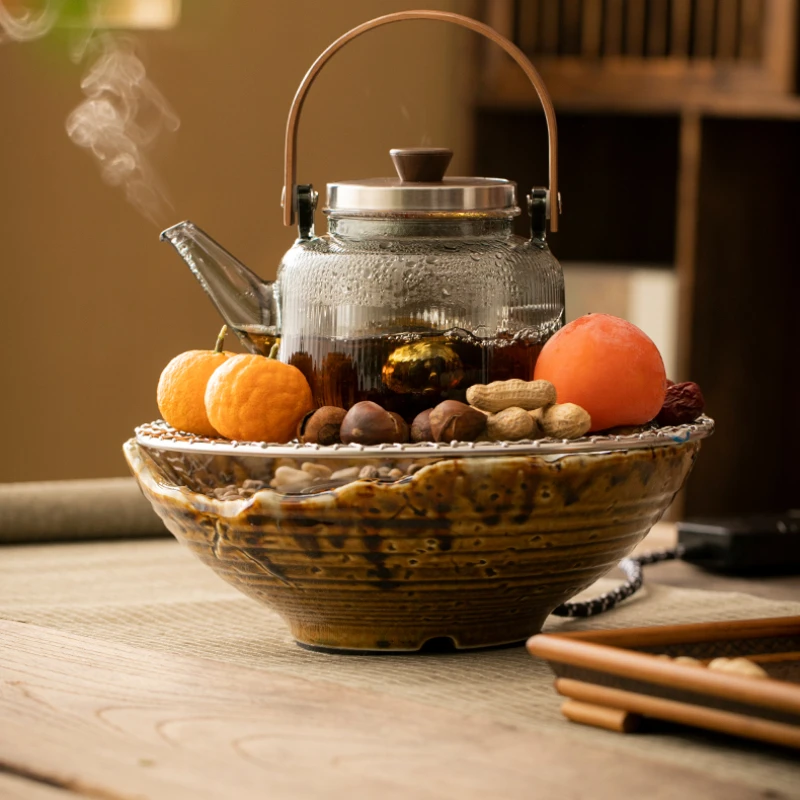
point(421, 190)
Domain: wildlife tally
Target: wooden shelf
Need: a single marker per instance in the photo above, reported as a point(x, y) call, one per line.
point(682, 57)
point(621, 89)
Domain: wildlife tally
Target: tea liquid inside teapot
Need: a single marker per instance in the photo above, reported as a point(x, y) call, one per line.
point(404, 372)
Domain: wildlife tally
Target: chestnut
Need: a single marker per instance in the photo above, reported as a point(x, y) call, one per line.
point(401, 436)
point(455, 421)
point(321, 426)
point(421, 427)
point(367, 423)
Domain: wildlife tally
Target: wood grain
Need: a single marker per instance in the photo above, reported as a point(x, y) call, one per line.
point(115, 722)
point(15, 787)
point(690, 144)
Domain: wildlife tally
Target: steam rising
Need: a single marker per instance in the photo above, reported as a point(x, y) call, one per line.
point(122, 115)
point(28, 25)
point(123, 112)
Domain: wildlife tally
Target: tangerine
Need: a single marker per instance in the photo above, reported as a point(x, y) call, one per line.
point(182, 387)
point(254, 398)
point(609, 367)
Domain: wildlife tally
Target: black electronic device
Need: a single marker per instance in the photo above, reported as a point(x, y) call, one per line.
point(742, 545)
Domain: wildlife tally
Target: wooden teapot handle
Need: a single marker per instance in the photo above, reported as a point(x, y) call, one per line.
point(290, 169)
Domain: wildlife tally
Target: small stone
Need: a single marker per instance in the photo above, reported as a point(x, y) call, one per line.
point(348, 473)
point(396, 474)
point(316, 470)
point(253, 485)
point(368, 472)
point(289, 479)
point(383, 472)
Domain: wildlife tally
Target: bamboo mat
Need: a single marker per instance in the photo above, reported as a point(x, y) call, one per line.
point(155, 595)
point(52, 511)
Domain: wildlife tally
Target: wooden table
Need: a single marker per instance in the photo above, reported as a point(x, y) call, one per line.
point(88, 717)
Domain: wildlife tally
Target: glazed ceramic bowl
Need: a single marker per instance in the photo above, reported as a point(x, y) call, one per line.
point(391, 547)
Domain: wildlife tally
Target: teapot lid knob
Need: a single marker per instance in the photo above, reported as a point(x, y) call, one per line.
point(421, 164)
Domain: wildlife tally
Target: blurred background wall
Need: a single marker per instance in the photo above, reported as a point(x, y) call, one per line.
point(93, 305)
point(678, 131)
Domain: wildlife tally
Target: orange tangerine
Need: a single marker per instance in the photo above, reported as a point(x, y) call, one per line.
point(182, 387)
point(254, 398)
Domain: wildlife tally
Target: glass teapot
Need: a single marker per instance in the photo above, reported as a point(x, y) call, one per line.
point(419, 289)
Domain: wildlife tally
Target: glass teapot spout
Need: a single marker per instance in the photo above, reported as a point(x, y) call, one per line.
point(247, 304)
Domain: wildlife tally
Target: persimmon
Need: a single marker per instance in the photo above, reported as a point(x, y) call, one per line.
point(182, 388)
point(607, 366)
point(255, 398)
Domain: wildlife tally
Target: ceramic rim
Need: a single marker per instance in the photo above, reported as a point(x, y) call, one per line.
point(158, 435)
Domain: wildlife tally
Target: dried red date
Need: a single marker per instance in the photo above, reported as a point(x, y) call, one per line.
point(684, 403)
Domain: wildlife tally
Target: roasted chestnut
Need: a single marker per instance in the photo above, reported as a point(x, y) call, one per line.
point(421, 427)
point(455, 421)
point(321, 426)
point(367, 423)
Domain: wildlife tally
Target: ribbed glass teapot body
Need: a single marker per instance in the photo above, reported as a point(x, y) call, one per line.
point(408, 312)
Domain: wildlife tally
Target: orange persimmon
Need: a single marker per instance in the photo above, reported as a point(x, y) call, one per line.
point(182, 388)
point(607, 366)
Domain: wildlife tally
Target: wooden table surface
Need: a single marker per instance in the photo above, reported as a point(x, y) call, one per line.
point(82, 717)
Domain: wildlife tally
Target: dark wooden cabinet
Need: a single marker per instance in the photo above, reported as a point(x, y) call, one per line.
point(679, 134)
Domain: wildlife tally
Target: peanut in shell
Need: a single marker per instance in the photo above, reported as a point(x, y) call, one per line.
point(500, 395)
point(563, 420)
point(510, 425)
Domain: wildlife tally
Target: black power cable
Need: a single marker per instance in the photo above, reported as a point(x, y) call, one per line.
point(632, 567)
